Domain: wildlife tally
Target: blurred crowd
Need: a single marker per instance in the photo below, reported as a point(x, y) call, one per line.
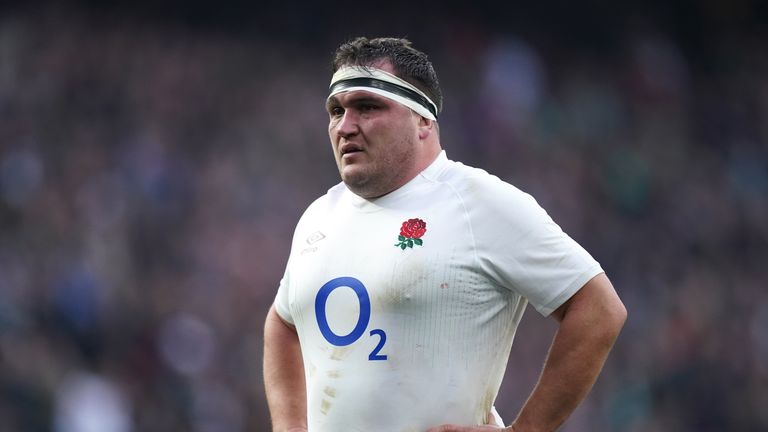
point(151, 176)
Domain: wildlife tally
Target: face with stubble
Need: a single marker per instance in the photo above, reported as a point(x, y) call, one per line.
point(375, 141)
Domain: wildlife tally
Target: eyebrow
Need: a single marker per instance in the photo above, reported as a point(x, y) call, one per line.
point(355, 100)
point(331, 102)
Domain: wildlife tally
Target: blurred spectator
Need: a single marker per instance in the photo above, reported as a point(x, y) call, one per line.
point(151, 173)
point(88, 403)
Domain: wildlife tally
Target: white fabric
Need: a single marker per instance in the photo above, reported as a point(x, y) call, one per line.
point(497, 420)
point(449, 308)
point(347, 72)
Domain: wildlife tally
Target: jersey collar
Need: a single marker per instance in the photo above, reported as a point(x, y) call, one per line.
point(429, 174)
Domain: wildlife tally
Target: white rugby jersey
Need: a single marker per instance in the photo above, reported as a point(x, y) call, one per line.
point(405, 332)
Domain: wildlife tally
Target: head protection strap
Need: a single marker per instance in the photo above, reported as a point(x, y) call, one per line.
point(383, 83)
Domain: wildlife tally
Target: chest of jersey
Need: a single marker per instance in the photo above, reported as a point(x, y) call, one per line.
point(391, 301)
point(393, 283)
point(391, 252)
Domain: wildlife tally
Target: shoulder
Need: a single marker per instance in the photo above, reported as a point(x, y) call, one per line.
point(325, 203)
point(317, 212)
point(484, 192)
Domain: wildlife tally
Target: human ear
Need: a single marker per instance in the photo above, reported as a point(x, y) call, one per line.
point(426, 127)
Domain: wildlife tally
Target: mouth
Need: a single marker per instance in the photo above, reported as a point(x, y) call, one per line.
point(349, 148)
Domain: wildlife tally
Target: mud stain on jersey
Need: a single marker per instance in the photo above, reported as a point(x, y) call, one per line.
point(334, 374)
point(325, 406)
point(407, 276)
point(330, 391)
point(339, 353)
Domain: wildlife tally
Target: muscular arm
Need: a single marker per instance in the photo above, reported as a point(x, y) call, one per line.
point(284, 375)
point(590, 321)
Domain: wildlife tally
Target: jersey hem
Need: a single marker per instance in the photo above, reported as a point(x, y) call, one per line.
point(569, 291)
point(284, 314)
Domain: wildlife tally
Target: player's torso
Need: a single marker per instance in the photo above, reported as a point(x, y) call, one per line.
point(394, 327)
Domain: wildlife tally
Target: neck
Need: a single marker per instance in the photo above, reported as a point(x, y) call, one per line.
point(424, 160)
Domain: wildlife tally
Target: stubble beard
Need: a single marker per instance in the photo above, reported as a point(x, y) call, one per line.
point(382, 175)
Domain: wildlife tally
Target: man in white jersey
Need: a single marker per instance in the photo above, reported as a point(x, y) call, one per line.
point(407, 280)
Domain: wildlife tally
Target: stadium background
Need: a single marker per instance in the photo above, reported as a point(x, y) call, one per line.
point(155, 158)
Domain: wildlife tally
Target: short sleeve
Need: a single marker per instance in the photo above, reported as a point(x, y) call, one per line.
point(520, 247)
point(281, 299)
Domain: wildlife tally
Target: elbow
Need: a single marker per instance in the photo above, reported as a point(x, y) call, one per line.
point(608, 319)
point(620, 314)
point(624, 314)
point(613, 312)
point(614, 319)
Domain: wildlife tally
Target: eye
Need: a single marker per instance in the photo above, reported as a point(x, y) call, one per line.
point(335, 111)
point(367, 107)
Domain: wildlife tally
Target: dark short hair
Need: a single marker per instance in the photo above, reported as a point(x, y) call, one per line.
point(409, 63)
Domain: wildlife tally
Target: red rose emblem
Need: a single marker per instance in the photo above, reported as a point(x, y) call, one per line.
point(411, 232)
point(413, 228)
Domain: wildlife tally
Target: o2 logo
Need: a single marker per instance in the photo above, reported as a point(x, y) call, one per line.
point(362, 320)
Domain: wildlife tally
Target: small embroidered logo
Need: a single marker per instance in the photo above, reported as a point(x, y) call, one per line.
point(315, 237)
point(411, 233)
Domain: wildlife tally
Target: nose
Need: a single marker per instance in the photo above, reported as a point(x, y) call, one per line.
point(347, 125)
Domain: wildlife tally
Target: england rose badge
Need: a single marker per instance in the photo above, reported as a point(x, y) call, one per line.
point(410, 233)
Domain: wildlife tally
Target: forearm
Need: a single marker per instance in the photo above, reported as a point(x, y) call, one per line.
point(586, 335)
point(284, 376)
